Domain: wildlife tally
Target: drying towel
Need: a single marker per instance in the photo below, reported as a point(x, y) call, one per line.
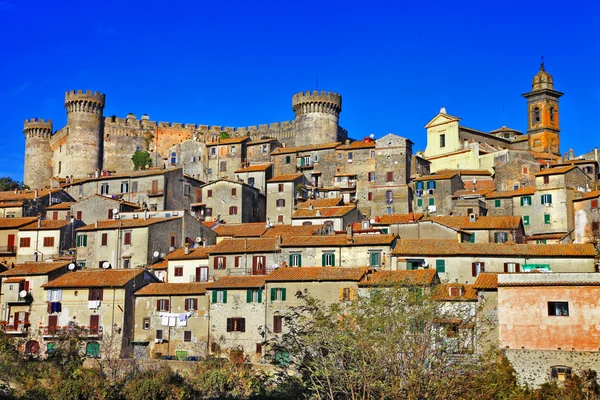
point(165, 320)
point(172, 321)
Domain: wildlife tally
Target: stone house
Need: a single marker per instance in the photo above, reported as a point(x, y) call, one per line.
point(244, 256)
point(349, 250)
point(588, 167)
point(188, 265)
point(463, 262)
point(171, 319)
point(232, 202)
point(316, 161)
point(378, 280)
point(22, 315)
point(133, 243)
point(486, 286)
point(238, 317)
point(493, 229)
point(433, 193)
point(283, 193)
point(153, 189)
point(46, 239)
point(259, 151)
point(516, 173)
point(255, 175)
point(59, 211)
point(100, 207)
point(247, 230)
point(101, 303)
point(30, 203)
point(335, 218)
point(225, 156)
point(547, 324)
point(9, 230)
point(586, 217)
point(398, 224)
point(191, 156)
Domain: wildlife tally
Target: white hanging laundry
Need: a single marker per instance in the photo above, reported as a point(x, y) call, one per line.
point(172, 321)
point(165, 320)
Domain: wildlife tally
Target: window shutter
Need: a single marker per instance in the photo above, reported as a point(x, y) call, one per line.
point(237, 261)
point(433, 185)
point(254, 262)
point(273, 294)
point(185, 305)
point(248, 296)
point(291, 259)
point(167, 305)
point(216, 262)
point(549, 199)
point(505, 267)
point(49, 306)
point(517, 267)
point(26, 287)
point(214, 296)
point(474, 269)
point(333, 260)
point(299, 260)
point(195, 304)
point(242, 324)
point(100, 294)
point(351, 293)
point(341, 294)
point(229, 324)
point(90, 294)
point(224, 296)
point(157, 305)
point(260, 295)
point(522, 201)
point(323, 259)
point(283, 294)
point(224, 262)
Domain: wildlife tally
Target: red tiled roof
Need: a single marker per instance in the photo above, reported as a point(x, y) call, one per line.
point(577, 161)
point(233, 140)
point(125, 223)
point(254, 168)
point(131, 174)
point(476, 192)
point(486, 280)
point(589, 195)
point(555, 171)
point(357, 144)
point(198, 253)
point(469, 172)
point(442, 292)
point(522, 191)
point(388, 219)
point(160, 289)
point(245, 245)
point(238, 282)
point(11, 204)
point(291, 230)
point(35, 268)
point(62, 206)
point(10, 195)
point(13, 280)
point(95, 278)
point(436, 176)
point(46, 224)
point(299, 149)
point(284, 178)
point(320, 203)
point(418, 277)
point(250, 229)
point(450, 247)
point(161, 265)
point(14, 223)
point(338, 240)
point(296, 274)
point(540, 236)
point(482, 222)
point(322, 212)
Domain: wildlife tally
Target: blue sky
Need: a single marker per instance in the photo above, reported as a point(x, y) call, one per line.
point(236, 63)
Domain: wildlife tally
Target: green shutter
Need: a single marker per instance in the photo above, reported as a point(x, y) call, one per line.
point(472, 238)
point(260, 295)
point(549, 199)
point(547, 219)
point(431, 201)
point(273, 294)
point(78, 240)
point(419, 202)
point(373, 259)
point(249, 296)
point(526, 220)
point(497, 203)
point(224, 296)
point(214, 296)
point(333, 260)
point(302, 161)
point(440, 266)
point(283, 294)
point(323, 259)
point(291, 259)
point(299, 259)
point(433, 186)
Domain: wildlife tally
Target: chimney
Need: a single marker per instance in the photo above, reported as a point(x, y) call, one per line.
point(283, 264)
point(96, 223)
point(145, 214)
point(36, 193)
point(571, 154)
point(39, 225)
point(186, 249)
point(279, 240)
point(310, 206)
point(318, 213)
point(349, 233)
point(347, 142)
point(411, 217)
point(565, 156)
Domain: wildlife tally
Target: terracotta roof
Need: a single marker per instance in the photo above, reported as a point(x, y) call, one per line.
point(198, 253)
point(233, 140)
point(436, 176)
point(130, 174)
point(486, 280)
point(357, 144)
point(255, 168)
point(10, 195)
point(35, 268)
point(121, 201)
point(522, 191)
point(11, 204)
point(442, 292)
point(160, 289)
point(482, 222)
point(95, 277)
point(546, 156)
point(540, 236)
point(338, 240)
point(317, 203)
point(299, 149)
point(13, 223)
point(450, 247)
point(46, 224)
point(476, 192)
point(245, 245)
point(13, 280)
point(555, 171)
point(322, 212)
point(124, 223)
point(284, 178)
point(505, 129)
point(160, 266)
point(235, 282)
point(480, 172)
point(296, 274)
point(388, 219)
point(261, 141)
point(291, 230)
point(589, 195)
point(249, 229)
point(62, 206)
point(418, 277)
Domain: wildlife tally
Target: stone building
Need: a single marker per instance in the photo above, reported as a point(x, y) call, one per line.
point(586, 217)
point(99, 207)
point(30, 203)
point(283, 193)
point(46, 239)
point(256, 175)
point(244, 256)
point(433, 193)
point(9, 230)
point(232, 202)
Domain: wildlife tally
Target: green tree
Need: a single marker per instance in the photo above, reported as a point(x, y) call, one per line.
point(7, 183)
point(141, 159)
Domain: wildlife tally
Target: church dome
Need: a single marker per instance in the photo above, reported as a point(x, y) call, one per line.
point(542, 80)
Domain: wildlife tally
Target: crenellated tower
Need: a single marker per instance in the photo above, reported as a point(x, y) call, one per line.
point(317, 117)
point(84, 133)
point(38, 156)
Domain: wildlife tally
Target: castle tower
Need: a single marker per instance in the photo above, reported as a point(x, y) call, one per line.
point(84, 133)
point(38, 156)
point(543, 114)
point(317, 116)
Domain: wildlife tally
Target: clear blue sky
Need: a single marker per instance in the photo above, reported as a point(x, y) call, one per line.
point(235, 63)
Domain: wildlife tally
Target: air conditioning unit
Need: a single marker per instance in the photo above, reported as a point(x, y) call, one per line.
point(432, 209)
point(158, 340)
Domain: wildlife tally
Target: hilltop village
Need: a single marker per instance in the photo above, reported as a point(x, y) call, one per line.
point(204, 248)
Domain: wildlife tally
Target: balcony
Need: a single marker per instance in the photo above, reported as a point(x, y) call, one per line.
point(8, 250)
point(89, 332)
point(156, 193)
point(20, 329)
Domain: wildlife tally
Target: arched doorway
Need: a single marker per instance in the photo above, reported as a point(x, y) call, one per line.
point(92, 349)
point(32, 347)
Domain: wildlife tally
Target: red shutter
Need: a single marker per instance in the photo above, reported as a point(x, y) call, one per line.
point(100, 294)
point(505, 267)
point(195, 304)
point(157, 305)
point(53, 320)
point(79, 215)
point(254, 262)
point(26, 288)
point(55, 215)
point(49, 307)
point(237, 261)
point(594, 203)
point(94, 321)
point(370, 196)
point(474, 269)
point(229, 324)
point(224, 262)
point(26, 320)
point(216, 259)
point(185, 305)
point(167, 305)
point(105, 239)
point(242, 324)
point(110, 213)
point(517, 267)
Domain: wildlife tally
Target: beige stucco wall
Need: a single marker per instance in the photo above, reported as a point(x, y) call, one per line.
point(37, 243)
point(189, 269)
point(345, 256)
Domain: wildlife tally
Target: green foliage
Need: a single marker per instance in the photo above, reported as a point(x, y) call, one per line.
point(224, 135)
point(162, 384)
point(141, 159)
point(7, 183)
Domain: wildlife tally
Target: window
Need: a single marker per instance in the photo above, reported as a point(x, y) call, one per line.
point(440, 266)
point(79, 215)
point(328, 260)
point(346, 294)
point(126, 263)
point(237, 261)
point(388, 210)
point(233, 149)
point(278, 294)
point(389, 196)
point(280, 203)
point(500, 237)
point(162, 305)
point(186, 190)
point(124, 187)
point(134, 186)
point(340, 156)
point(560, 373)
point(547, 219)
point(525, 170)
point(371, 176)
point(372, 154)
point(219, 296)
point(497, 203)
point(59, 167)
point(187, 336)
point(95, 294)
point(477, 268)
point(253, 296)
point(349, 156)
point(25, 242)
point(236, 324)
point(472, 238)
point(594, 204)
point(536, 114)
point(280, 218)
point(220, 263)
point(455, 291)
point(233, 191)
point(419, 202)
point(280, 187)
point(512, 267)
point(81, 241)
point(390, 176)
point(558, 308)
point(264, 148)
point(431, 201)
point(546, 199)
point(259, 348)
point(146, 323)
point(233, 210)
point(546, 179)
point(173, 158)
point(375, 259)
point(104, 188)
point(191, 304)
point(104, 239)
point(178, 271)
point(525, 201)
point(288, 159)
point(370, 196)
point(277, 323)
point(159, 334)
point(223, 166)
point(431, 185)
point(251, 182)
point(127, 238)
point(442, 140)
point(526, 220)
point(296, 260)
point(48, 242)
point(315, 158)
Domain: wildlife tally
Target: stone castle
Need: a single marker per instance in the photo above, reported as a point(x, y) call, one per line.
point(91, 142)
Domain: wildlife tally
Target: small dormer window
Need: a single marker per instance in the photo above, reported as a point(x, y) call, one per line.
point(536, 114)
point(455, 291)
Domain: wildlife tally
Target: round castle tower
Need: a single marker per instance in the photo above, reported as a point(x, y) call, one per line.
point(85, 133)
point(317, 117)
point(38, 156)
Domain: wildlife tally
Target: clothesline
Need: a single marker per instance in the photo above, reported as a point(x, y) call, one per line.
point(170, 319)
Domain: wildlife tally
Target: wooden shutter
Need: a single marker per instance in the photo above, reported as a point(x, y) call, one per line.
point(333, 260)
point(505, 267)
point(341, 294)
point(216, 262)
point(323, 260)
point(273, 294)
point(229, 324)
point(291, 259)
point(351, 293)
point(224, 296)
point(91, 294)
point(52, 320)
point(249, 296)
point(283, 294)
point(260, 295)
point(214, 296)
point(104, 239)
point(167, 305)
point(187, 336)
point(474, 269)
point(157, 305)
point(26, 318)
point(224, 262)
point(242, 322)
point(185, 305)
point(236, 262)
point(26, 286)
point(94, 321)
point(390, 176)
point(127, 239)
point(100, 294)
point(195, 304)
point(517, 267)
point(159, 333)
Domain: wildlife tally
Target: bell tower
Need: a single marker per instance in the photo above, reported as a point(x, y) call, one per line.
point(543, 125)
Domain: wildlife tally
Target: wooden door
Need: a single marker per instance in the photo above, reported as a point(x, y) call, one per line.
point(94, 323)
point(11, 242)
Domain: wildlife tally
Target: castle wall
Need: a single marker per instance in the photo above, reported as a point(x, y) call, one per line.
point(38, 156)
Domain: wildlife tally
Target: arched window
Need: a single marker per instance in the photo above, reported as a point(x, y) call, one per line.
point(552, 111)
point(92, 349)
point(536, 114)
point(173, 158)
point(560, 372)
point(32, 347)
